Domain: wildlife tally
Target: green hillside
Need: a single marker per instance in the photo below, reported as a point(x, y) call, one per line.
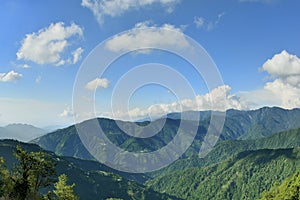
point(229, 148)
point(245, 176)
point(245, 125)
point(91, 182)
point(66, 141)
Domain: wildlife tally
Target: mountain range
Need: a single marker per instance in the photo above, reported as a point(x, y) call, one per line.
point(239, 125)
point(256, 149)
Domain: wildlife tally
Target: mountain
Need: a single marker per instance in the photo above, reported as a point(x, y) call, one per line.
point(21, 132)
point(229, 148)
point(243, 125)
point(67, 141)
point(93, 180)
point(252, 124)
point(245, 176)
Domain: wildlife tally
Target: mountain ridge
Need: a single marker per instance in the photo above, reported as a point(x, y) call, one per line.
point(238, 125)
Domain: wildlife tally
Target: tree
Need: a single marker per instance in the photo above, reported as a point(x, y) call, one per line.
point(5, 181)
point(64, 191)
point(288, 190)
point(32, 172)
point(35, 170)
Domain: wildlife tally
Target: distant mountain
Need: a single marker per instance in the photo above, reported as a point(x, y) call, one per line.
point(21, 132)
point(244, 176)
point(67, 142)
point(243, 125)
point(93, 180)
point(229, 148)
point(252, 124)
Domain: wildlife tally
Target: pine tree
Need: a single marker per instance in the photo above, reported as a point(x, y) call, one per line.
point(64, 191)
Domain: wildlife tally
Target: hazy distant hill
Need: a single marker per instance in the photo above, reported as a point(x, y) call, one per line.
point(238, 125)
point(21, 132)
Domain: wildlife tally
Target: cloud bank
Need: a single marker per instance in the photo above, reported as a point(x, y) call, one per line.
point(214, 100)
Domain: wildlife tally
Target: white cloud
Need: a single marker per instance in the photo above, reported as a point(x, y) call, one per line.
point(48, 44)
point(199, 22)
point(24, 66)
point(77, 55)
point(10, 76)
point(284, 66)
point(114, 8)
point(97, 83)
point(205, 24)
point(284, 88)
point(284, 94)
point(219, 99)
point(67, 112)
point(144, 35)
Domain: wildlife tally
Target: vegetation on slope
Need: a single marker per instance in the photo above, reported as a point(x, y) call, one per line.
point(245, 176)
point(238, 125)
point(289, 189)
point(90, 184)
point(229, 148)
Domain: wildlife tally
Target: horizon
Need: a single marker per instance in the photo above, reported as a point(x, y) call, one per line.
point(51, 126)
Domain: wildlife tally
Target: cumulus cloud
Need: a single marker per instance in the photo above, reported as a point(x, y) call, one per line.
point(205, 24)
point(284, 66)
point(114, 8)
point(284, 87)
point(97, 83)
point(144, 35)
point(48, 44)
point(10, 76)
point(219, 99)
point(284, 94)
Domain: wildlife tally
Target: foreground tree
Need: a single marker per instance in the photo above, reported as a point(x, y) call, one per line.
point(288, 190)
point(32, 172)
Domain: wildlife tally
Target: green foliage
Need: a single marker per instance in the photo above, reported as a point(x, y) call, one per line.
point(35, 170)
point(32, 172)
point(64, 191)
point(288, 190)
point(229, 148)
point(6, 184)
point(243, 177)
point(92, 180)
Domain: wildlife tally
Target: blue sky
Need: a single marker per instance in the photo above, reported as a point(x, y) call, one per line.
point(255, 45)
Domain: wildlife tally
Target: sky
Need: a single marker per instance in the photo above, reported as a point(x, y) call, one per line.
point(53, 55)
